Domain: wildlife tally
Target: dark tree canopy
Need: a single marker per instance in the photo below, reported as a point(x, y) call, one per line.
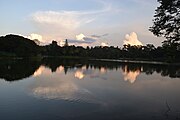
point(18, 46)
point(166, 22)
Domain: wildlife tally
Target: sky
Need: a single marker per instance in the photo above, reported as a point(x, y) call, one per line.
point(81, 22)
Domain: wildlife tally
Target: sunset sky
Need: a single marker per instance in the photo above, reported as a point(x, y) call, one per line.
point(82, 22)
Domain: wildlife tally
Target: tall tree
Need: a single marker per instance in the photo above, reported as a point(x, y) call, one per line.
point(66, 43)
point(166, 22)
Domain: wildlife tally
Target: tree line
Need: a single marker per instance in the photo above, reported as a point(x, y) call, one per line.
point(166, 52)
point(18, 46)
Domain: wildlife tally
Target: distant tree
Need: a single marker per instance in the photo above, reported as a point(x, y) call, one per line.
point(87, 48)
point(150, 47)
point(54, 43)
point(53, 49)
point(166, 22)
point(66, 43)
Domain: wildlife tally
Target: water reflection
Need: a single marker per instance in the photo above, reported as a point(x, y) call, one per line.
point(12, 70)
point(39, 71)
point(82, 89)
point(79, 74)
point(55, 89)
point(60, 87)
point(130, 75)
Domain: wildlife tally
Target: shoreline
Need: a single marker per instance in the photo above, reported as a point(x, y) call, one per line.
point(136, 61)
point(95, 59)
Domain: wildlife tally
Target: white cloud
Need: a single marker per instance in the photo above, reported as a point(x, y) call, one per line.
point(91, 40)
point(104, 44)
point(34, 36)
point(61, 43)
point(63, 19)
point(80, 37)
point(82, 40)
point(37, 38)
point(132, 39)
point(60, 25)
point(66, 19)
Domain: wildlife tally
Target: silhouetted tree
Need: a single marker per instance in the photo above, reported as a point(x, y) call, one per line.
point(18, 46)
point(166, 21)
point(54, 43)
point(66, 43)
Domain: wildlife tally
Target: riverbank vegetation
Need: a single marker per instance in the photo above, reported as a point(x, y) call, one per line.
point(18, 46)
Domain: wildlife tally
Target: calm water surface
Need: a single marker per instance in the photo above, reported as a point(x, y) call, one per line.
point(64, 89)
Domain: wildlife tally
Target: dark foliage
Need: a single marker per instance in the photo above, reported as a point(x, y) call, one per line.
point(15, 45)
point(166, 21)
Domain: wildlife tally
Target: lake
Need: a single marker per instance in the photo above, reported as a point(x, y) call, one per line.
point(77, 89)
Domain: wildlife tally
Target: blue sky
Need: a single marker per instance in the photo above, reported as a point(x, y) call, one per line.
point(112, 22)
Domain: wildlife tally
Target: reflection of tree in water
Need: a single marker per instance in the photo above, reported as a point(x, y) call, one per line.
point(18, 69)
point(54, 63)
point(172, 71)
point(11, 70)
point(165, 70)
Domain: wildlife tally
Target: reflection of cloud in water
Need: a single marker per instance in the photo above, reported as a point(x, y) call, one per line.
point(60, 68)
point(103, 70)
point(98, 74)
point(83, 68)
point(130, 75)
point(42, 70)
point(39, 71)
point(55, 90)
point(79, 74)
point(65, 89)
point(62, 90)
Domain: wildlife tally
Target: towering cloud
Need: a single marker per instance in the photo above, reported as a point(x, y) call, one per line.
point(132, 39)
